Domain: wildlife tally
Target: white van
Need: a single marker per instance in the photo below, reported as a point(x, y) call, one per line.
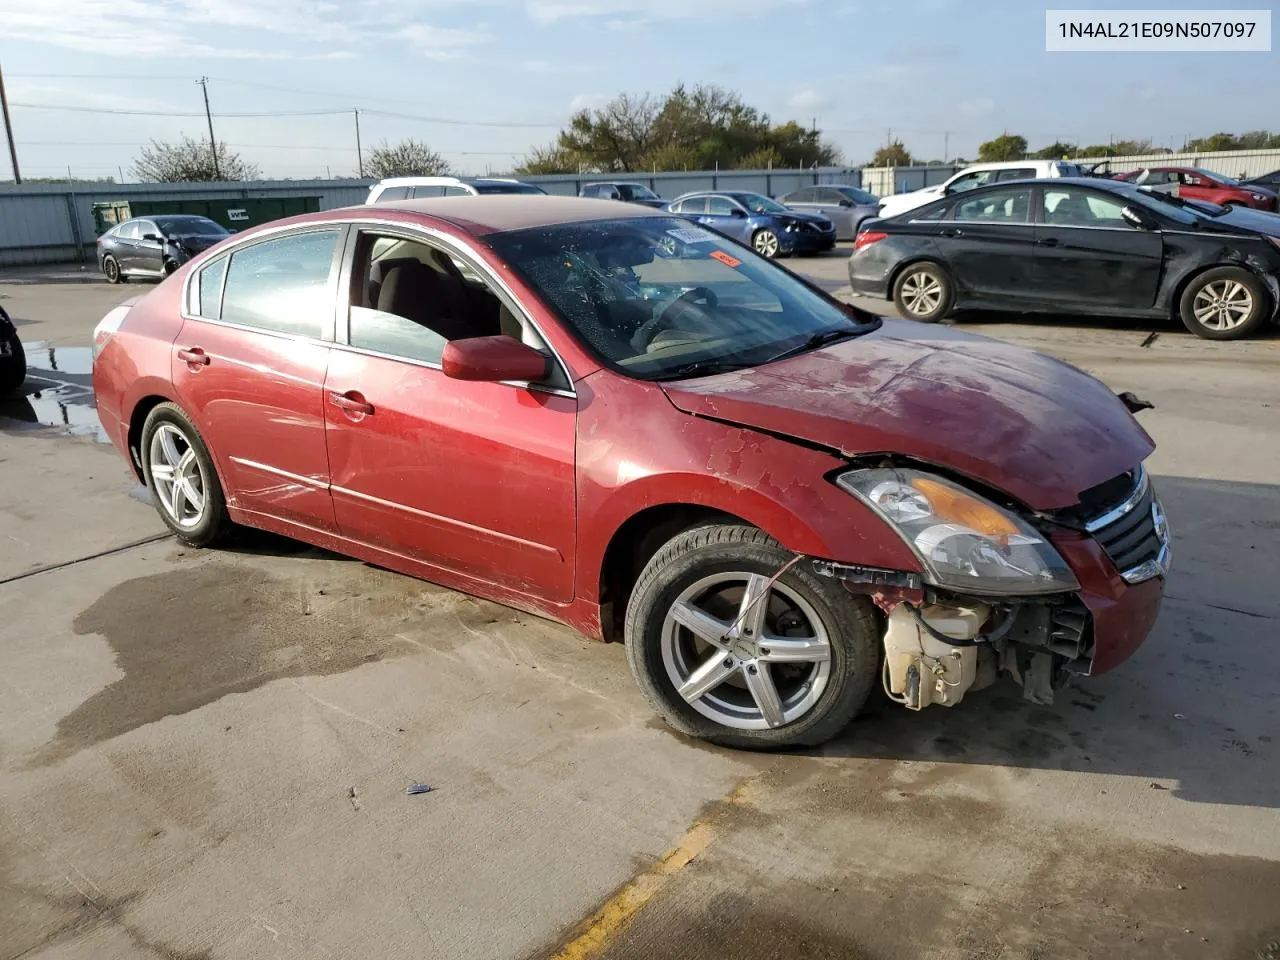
point(977, 175)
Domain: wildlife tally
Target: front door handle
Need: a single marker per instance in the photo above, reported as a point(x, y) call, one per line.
point(953, 233)
point(195, 356)
point(1047, 242)
point(352, 402)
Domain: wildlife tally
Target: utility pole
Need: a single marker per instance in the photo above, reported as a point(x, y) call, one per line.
point(8, 131)
point(213, 144)
point(359, 151)
point(946, 143)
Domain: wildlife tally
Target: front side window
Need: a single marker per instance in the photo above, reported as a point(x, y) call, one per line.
point(282, 285)
point(1010, 205)
point(636, 191)
point(720, 206)
point(757, 203)
point(1075, 207)
point(409, 298)
point(858, 196)
point(660, 298)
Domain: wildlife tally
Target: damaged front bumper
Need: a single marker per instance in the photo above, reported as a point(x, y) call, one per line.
point(939, 644)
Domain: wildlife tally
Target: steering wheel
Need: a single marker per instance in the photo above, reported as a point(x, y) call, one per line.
point(670, 315)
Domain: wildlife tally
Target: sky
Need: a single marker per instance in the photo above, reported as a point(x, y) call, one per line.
point(482, 81)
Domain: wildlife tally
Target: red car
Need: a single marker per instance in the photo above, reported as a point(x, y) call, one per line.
point(1193, 183)
point(643, 429)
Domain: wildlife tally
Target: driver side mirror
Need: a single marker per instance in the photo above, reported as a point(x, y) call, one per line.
point(493, 359)
point(846, 203)
point(152, 237)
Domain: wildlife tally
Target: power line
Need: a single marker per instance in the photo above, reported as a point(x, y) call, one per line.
point(178, 113)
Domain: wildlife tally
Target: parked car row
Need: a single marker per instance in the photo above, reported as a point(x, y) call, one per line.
point(1076, 245)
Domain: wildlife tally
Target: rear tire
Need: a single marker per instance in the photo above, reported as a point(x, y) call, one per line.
point(1225, 303)
point(181, 477)
point(923, 292)
point(13, 369)
point(111, 269)
point(794, 675)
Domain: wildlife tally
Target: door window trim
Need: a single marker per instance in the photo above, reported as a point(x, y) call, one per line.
point(350, 229)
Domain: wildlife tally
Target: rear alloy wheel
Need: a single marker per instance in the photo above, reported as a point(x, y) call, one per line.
point(728, 654)
point(181, 477)
point(111, 269)
point(765, 243)
point(1226, 303)
point(923, 292)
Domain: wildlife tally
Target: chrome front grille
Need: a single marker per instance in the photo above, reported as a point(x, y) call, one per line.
point(1134, 532)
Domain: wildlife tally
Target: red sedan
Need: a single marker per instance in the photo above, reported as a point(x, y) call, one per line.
point(1193, 183)
point(641, 428)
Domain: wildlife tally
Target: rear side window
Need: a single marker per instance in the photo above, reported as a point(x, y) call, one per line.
point(1008, 205)
point(392, 193)
point(1017, 173)
point(208, 296)
point(694, 205)
point(425, 193)
point(282, 285)
point(803, 195)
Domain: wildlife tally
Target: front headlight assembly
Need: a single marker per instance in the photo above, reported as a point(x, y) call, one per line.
point(965, 542)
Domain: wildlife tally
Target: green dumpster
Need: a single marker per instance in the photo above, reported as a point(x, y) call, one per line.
point(233, 213)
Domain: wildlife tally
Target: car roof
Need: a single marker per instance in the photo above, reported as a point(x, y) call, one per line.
point(499, 213)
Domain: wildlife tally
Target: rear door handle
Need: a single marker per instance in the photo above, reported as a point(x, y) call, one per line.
point(194, 356)
point(352, 402)
point(1047, 242)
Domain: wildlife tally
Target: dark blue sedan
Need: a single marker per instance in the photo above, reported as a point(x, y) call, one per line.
point(765, 225)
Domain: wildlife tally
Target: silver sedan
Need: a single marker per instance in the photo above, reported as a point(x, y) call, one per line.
point(846, 206)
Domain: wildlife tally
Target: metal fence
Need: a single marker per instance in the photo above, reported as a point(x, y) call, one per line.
point(671, 184)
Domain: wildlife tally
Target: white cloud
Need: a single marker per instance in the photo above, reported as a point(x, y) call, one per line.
point(554, 11)
point(547, 66)
point(807, 99)
point(585, 101)
point(443, 43)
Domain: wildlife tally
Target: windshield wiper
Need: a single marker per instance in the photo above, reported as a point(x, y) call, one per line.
point(820, 339)
point(703, 368)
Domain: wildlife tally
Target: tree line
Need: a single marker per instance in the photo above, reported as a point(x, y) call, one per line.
point(690, 128)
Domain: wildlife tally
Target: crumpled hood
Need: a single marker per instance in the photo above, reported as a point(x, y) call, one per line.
point(1029, 425)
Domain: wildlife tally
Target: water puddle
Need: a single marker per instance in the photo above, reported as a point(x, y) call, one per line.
point(58, 392)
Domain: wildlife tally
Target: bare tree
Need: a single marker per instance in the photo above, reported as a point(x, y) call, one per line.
point(408, 158)
point(190, 161)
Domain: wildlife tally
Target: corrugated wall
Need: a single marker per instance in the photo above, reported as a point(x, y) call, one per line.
point(51, 223)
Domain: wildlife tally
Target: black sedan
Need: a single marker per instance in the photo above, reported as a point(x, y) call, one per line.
point(1073, 245)
point(155, 246)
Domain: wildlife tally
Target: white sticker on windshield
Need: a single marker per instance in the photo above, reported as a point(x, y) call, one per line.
point(691, 234)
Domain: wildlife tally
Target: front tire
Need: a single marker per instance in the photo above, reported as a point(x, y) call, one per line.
point(923, 292)
point(790, 669)
point(111, 269)
point(181, 477)
point(13, 369)
point(1226, 303)
point(766, 243)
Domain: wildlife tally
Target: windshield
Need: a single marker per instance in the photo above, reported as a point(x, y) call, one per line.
point(660, 299)
point(858, 196)
point(507, 188)
point(198, 226)
point(758, 204)
point(636, 191)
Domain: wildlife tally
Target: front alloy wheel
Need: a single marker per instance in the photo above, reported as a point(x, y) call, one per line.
point(731, 647)
point(1225, 303)
point(765, 243)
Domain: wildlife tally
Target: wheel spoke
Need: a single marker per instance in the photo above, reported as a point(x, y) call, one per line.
point(754, 607)
point(700, 623)
point(162, 473)
point(794, 650)
point(169, 448)
point(765, 694)
point(190, 493)
point(707, 677)
point(177, 499)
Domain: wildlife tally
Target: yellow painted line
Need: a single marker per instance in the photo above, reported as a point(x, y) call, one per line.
point(618, 912)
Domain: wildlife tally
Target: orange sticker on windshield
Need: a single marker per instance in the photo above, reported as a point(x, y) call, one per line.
point(726, 259)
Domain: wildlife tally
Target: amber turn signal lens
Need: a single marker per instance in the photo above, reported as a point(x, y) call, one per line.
point(955, 507)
